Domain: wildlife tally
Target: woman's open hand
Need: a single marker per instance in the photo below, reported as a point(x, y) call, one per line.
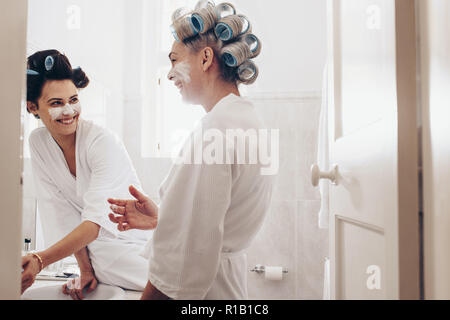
point(74, 287)
point(141, 213)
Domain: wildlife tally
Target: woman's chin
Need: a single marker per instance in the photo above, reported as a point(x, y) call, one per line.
point(186, 98)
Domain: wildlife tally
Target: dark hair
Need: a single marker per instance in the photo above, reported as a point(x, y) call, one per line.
point(60, 70)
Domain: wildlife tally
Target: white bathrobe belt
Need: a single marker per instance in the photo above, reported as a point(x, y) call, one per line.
point(231, 254)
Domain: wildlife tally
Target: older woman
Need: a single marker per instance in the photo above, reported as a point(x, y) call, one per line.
point(210, 209)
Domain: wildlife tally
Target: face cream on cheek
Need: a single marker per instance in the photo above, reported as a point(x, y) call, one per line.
point(67, 110)
point(181, 72)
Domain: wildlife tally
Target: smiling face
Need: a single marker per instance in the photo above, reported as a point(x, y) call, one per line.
point(188, 72)
point(58, 107)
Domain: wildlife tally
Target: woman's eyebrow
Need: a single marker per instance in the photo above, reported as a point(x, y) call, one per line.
point(57, 99)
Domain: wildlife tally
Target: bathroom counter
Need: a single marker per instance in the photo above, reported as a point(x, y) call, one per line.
point(129, 294)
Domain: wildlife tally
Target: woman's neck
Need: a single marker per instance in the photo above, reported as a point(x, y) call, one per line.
point(219, 91)
point(66, 142)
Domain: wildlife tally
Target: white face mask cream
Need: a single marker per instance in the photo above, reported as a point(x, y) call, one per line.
point(68, 110)
point(181, 72)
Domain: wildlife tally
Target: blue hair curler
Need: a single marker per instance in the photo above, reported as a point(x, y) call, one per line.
point(206, 14)
point(194, 29)
point(32, 72)
point(183, 28)
point(49, 62)
point(174, 33)
point(231, 27)
point(197, 22)
point(253, 44)
point(236, 53)
point(223, 31)
point(229, 59)
point(248, 72)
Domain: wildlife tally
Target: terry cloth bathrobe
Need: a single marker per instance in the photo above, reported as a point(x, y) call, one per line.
point(209, 214)
point(104, 170)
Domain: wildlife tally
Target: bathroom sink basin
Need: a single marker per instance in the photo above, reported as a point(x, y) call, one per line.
point(54, 292)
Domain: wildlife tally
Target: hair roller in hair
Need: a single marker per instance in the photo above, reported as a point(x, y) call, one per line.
point(224, 9)
point(231, 27)
point(206, 14)
point(246, 26)
point(204, 4)
point(247, 72)
point(204, 19)
point(180, 12)
point(32, 72)
point(49, 62)
point(182, 28)
point(235, 53)
point(253, 44)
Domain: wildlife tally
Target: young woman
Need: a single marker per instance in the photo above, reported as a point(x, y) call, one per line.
point(76, 166)
point(210, 211)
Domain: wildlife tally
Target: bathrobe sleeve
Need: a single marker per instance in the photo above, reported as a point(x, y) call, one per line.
point(186, 249)
point(58, 216)
point(111, 174)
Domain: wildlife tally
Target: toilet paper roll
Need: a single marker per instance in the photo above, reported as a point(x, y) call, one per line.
point(273, 273)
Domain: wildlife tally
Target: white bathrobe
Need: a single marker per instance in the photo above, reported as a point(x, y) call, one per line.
point(209, 215)
point(104, 170)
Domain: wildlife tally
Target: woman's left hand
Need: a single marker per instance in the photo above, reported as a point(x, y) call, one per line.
point(31, 268)
point(141, 213)
point(74, 287)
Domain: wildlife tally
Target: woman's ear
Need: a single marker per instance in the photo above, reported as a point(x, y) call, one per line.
point(207, 58)
point(32, 108)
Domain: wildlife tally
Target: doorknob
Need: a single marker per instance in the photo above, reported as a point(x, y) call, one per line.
point(316, 174)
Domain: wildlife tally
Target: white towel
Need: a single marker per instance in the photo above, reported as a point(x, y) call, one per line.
point(326, 280)
point(322, 151)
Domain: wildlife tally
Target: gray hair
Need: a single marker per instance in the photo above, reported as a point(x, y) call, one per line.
point(228, 34)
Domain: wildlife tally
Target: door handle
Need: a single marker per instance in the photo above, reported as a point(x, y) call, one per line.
point(316, 175)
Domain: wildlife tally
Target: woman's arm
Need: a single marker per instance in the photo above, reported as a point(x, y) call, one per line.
point(74, 287)
point(75, 241)
point(84, 263)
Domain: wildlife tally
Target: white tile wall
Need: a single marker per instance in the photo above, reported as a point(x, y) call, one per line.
point(290, 236)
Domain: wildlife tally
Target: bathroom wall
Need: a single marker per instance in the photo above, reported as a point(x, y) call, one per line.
point(290, 236)
point(288, 95)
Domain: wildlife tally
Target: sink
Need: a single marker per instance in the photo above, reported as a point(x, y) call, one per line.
point(54, 292)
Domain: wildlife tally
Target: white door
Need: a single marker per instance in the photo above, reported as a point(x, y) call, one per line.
point(435, 93)
point(374, 233)
point(13, 26)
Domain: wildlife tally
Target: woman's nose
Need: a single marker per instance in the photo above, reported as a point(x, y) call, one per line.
point(170, 75)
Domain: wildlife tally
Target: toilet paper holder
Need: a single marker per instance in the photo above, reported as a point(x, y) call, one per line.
point(261, 269)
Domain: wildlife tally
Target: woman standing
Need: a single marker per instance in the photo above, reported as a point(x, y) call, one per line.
point(210, 211)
